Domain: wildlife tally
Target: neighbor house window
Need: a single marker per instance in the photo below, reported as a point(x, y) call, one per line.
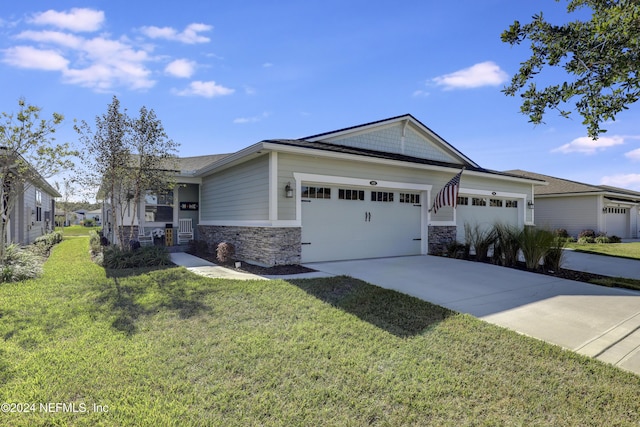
point(381, 196)
point(38, 205)
point(410, 198)
point(158, 207)
point(315, 192)
point(349, 194)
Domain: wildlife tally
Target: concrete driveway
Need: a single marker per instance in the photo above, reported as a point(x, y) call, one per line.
point(592, 320)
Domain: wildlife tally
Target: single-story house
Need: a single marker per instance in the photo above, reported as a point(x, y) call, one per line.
point(576, 206)
point(360, 192)
point(33, 213)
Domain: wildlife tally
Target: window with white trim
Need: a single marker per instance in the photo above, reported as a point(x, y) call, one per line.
point(38, 205)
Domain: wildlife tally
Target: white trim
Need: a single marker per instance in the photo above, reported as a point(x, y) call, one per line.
point(273, 186)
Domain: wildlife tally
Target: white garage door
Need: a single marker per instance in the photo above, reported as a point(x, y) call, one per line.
point(341, 222)
point(617, 222)
point(486, 212)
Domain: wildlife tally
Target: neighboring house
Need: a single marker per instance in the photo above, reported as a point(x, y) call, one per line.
point(360, 192)
point(576, 206)
point(33, 214)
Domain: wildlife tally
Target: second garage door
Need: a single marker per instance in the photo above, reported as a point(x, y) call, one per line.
point(341, 222)
point(486, 212)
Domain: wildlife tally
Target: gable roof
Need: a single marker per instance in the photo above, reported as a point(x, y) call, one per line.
point(407, 126)
point(561, 186)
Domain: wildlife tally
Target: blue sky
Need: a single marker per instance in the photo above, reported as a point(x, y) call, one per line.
point(223, 75)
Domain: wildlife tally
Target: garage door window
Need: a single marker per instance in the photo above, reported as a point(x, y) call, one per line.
point(381, 196)
point(511, 203)
point(316, 192)
point(463, 201)
point(410, 198)
point(496, 203)
point(617, 210)
point(349, 194)
point(477, 201)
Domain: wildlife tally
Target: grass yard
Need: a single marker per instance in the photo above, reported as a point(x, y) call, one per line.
point(624, 250)
point(169, 348)
point(76, 230)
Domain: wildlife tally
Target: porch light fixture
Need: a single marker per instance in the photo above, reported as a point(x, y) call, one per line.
point(288, 191)
point(530, 204)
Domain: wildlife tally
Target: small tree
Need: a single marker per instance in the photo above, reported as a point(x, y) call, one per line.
point(154, 158)
point(106, 153)
point(28, 155)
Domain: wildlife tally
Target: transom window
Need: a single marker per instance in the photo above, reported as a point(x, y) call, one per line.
point(350, 194)
point(381, 196)
point(158, 207)
point(410, 198)
point(315, 192)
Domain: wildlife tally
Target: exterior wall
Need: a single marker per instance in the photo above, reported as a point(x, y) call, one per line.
point(267, 246)
point(397, 138)
point(440, 238)
point(25, 227)
point(571, 213)
point(238, 193)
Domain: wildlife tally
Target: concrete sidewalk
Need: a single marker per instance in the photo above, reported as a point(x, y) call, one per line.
point(592, 320)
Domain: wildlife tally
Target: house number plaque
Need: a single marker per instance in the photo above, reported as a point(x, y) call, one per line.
point(188, 206)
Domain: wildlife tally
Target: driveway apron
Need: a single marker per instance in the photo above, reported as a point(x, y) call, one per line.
point(592, 320)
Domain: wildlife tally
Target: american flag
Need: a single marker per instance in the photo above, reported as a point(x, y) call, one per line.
point(448, 196)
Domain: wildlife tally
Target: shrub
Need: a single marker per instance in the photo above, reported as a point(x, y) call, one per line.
point(43, 244)
point(95, 243)
point(480, 239)
point(456, 249)
point(561, 232)
point(585, 240)
point(148, 256)
point(615, 239)
point(555, 255)
point(535, 244)
point(19, 264)
point(587, 233)
point(507, 244)
point(225, 252)
point(602, 239)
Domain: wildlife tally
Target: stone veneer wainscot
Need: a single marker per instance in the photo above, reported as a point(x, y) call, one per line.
point(267, 246)
point(440, 237)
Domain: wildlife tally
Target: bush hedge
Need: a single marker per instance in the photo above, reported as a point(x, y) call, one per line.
point(147, 256)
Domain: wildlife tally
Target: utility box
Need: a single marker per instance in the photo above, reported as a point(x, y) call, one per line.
point(168, 234)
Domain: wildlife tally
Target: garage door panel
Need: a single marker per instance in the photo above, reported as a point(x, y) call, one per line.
point(359, 227)
point(485, 212)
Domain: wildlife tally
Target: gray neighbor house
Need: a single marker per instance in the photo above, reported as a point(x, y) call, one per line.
point(359, 192)
point(576, 206)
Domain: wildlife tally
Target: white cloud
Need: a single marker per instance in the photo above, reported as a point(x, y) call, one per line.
point(420, 94)
point(182, 68)
point(633, 154)
point(483, 74)
point(78, 19)
point(39, 59)
point(190, 35)
point(205, 89)
point(586, 145)
point(629, 181)
point(53, 37)
point(254, 119)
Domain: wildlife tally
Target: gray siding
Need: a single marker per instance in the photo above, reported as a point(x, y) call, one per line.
point(290, 163)
point(572, 213)
point(240, 193)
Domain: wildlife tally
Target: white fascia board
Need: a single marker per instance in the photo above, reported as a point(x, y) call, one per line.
point(342, 180)
point(474, 192)
point(249, 223)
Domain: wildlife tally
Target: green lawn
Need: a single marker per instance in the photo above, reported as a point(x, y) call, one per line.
point(167, 348)
point(76, 230)
point(624, 250)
